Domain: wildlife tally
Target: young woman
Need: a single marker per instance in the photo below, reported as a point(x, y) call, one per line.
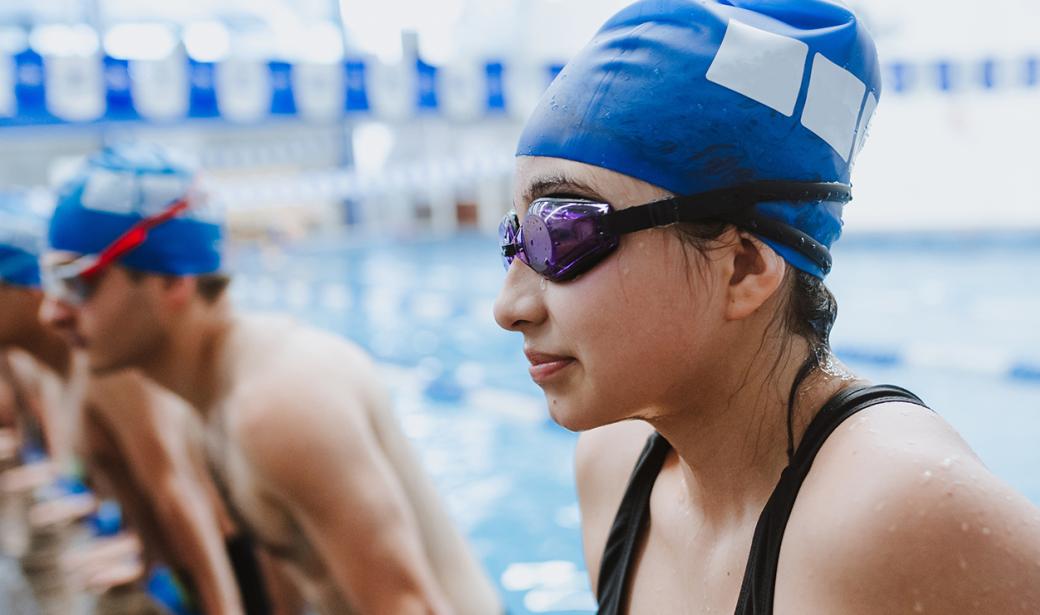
point(678, 189)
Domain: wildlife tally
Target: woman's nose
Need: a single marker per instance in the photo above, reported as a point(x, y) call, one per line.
point(520, 302)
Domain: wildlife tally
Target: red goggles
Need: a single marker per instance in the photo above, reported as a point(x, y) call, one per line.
point(74, 282)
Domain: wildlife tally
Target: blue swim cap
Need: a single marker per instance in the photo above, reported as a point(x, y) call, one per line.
point(21, 238)
point(699, 95)
point(118, 187)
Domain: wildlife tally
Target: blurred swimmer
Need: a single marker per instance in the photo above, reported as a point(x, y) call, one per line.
point(33, 360)
point(127, 429)
point(40, 381)
point(302, 440)
point(679, 186)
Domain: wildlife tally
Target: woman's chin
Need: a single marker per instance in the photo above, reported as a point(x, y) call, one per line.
point(573, 417)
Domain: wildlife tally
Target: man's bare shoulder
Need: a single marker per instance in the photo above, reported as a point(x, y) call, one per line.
point(298, 394)
point(898, 514)
point(273, 353)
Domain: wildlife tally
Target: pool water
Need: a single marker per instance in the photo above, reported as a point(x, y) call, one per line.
point(952, 320)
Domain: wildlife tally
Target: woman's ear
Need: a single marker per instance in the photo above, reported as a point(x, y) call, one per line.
point(758, 271)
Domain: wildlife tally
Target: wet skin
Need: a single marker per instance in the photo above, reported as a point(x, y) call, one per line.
point(897, 515)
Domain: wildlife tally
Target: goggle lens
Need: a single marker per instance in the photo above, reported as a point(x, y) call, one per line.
point(68, 284)
point(558, 239)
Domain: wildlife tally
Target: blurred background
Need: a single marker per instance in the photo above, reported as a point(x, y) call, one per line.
point(364, 152)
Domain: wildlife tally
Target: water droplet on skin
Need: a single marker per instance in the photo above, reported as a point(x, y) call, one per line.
point(927, 475)
point(986, 531)
point(946, 463)
point(544, 284)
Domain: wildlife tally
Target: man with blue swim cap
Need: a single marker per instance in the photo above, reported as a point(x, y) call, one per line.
point(20, 246)
point(38, 432)
point(30, 355)
point(679, 187)
point(302, 443)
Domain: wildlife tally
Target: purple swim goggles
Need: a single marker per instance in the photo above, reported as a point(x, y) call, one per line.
point(561, 238)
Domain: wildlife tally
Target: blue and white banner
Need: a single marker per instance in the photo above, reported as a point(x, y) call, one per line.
point(35, 89)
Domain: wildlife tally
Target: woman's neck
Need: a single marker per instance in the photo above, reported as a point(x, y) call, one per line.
point(732, 439)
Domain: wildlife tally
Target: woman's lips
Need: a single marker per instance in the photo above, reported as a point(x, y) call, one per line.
point(545, 366)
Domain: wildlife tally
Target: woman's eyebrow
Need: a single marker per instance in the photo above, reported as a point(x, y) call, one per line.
point(543, 186)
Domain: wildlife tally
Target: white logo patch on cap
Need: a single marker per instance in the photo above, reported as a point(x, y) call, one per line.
point(761, 65)
point(157, 191)
point(109, 191)
point(864, 123)
point(832, 105)
point(128, 193)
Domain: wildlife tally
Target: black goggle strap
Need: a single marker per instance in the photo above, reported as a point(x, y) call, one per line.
point(735, 205)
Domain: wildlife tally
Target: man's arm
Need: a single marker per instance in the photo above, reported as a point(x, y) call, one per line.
point(147, 424)
point(318, 454)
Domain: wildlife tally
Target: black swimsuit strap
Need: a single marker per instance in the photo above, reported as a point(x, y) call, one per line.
point(758, 588)
point(241, 551)
point(632, 517)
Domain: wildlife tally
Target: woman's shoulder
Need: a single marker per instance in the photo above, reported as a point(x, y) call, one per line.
point(604, 460)
point(899, 514)
point(606, 456)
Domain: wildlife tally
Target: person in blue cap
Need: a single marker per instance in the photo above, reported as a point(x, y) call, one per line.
point(33, 359)
point(131, 435)
point(303, 446)
point(679, 187)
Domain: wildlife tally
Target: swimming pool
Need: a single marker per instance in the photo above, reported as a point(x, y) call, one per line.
point(951, 319)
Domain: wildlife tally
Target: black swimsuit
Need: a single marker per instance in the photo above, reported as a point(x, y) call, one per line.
point(756, 592)
point(241, 551)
